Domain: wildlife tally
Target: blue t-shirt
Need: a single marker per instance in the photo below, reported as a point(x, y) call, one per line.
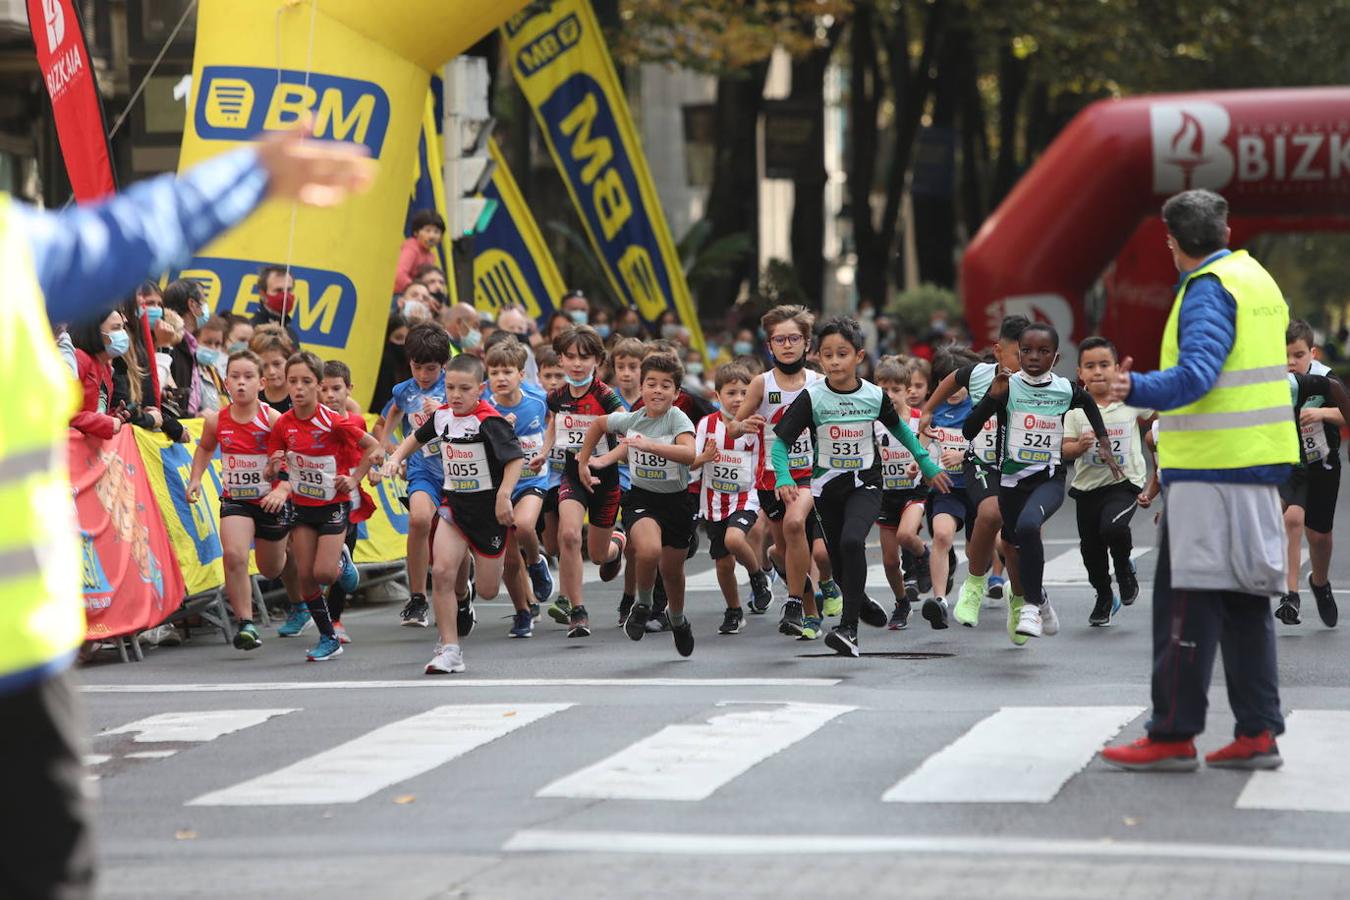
point(531, 418)
point(625, 477)
point(950, 417)
point(409, 397)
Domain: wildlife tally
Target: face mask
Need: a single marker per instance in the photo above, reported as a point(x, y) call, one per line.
point(440, 296)
point(581, 383)
point(790, 368)
point(203, 317)
point(207, 356)
point(152, 315)
point(237, 346)
point(670, 331)
point(868, 313)
point(579, 316)
point(694, 368)
point(473, 339)
point(416, 309)
point(119, 342)
point(280, 302)
point(604, 331)
point(742, 348)
point(632, 329)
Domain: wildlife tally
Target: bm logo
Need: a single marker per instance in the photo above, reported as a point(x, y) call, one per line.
point(239, 103)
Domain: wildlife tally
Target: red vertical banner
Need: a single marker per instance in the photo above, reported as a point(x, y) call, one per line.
point(64, 60)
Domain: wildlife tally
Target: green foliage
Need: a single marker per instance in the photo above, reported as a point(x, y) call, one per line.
point(914, 309)
point(778, 284)
point(705, 259)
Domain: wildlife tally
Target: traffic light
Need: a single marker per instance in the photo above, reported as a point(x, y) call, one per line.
point(468, 128)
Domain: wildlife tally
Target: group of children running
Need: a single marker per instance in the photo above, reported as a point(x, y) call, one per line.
point(788, 473)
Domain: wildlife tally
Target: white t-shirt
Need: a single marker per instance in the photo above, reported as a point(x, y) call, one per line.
point(1090, 470)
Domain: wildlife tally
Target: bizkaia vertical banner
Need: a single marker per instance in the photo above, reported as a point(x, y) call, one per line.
point(64, 60)
point(559, 58)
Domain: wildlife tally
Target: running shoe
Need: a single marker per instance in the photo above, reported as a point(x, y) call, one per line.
point(349, 577)
point(560, 610)
point(635, 624)
point(1049, 621)
point(447, 660)
point(967, 610)
point(1326, 603)
point(995, 589)
point(1015, 606)
point(1104, 610)
point(912, 589)
point(831, 599)
point(790, 621)
point(416, 612)
point(899, 620)
point(534, 610)
point(325, 649)
point(341, 632)
point(541, 579)
point(1129, 585)
point(872, 613)
point(465, 617)
point(1259, 752)
point(923, 573)
point(609, 570)
point(843, 640)
point(935, 612)
point(1288, 609)
point(522, 624)
point(1029, 622)
point(731, 621)
point(658, 622)
point(579, 624)
point(625, 607)
point(761, 594)
point(684, 637)
point(951, 570)
point(247, 637)
point(811, 628)
point(296, 623)
point(1148, 755)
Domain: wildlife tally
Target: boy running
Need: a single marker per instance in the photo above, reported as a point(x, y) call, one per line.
point(625, 359)
point(335, 392)
point(902, 496)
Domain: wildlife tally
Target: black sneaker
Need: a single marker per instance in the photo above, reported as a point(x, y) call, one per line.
point(415, 612)
point(761, 595)
point(693, 544)
point(731, 621)
point(899, 620)
point(625, 606)
point(1326, 603)
point(1288, 609)
point(635, 625)
point(935, 611)
point(923, 573)
point(951, 570)
point(1129, 586)
point(465, 617)
point(790, 622)
point(579, 624)
point(912, 590)
point(1101, 610)
point(684, 637)
point(843, 640)
point(609, 570)
point(658, 622)
point(872, 613)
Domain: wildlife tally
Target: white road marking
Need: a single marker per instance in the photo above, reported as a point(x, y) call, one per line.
point(197, 725)
point(690, 762)
point(1020, 754)
point(151, 754)
point(1067, 568)
point(375, 760)
point(452, 683)
point(1316, 773)
point(1049, 849)
point(95, 759)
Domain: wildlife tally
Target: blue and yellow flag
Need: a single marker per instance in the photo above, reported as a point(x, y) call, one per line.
point(558, 56)
point(512, 264)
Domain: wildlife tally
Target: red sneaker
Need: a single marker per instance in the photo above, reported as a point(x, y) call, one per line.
point(1148, 755)
point(1258, 752)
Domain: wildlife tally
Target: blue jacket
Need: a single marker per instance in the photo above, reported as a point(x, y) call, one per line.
point(1205, 335)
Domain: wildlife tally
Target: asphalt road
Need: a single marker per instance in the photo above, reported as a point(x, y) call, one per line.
point(950, 764)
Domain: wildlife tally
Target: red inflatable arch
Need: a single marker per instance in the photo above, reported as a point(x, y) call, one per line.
point(1280, 157)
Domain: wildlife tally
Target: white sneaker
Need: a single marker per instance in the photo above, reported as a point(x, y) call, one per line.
point(1029, 621)
point(448, 660)
point(1049, 621)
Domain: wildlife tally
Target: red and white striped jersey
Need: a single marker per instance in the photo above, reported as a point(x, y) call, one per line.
point(726, 483)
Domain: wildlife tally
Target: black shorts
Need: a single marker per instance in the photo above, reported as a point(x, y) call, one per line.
point(550, 502)
point(1314, 489)
point(743, 519)
point(522, 492)
point(894, 504)
point(475, 517)
point(266, 526)
point(956, 504)
point(601, 501)
point(982, 481)
point(774, 509)
point(331, 518)
point(674, 513)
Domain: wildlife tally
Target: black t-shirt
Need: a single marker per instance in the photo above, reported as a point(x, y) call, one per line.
point(1310, 386)
point(484, 426)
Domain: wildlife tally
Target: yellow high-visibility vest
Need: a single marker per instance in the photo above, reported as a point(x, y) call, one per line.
point(1245, 420)
point(41, 605)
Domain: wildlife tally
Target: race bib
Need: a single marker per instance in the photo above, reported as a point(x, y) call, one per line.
point(243, 476)
point(846, 446)
point(570, 430)
point(1034, 440)
point(313, 477)
point(950, 439)
point(557, 459)
point(530, 445)
point(466, 467)
point(800, 455)
point(651, 468)
point(896, 465)
point(1121, 437)
point(432, 447)
point(985, 444)
point(729, 471)
point(1314, 437)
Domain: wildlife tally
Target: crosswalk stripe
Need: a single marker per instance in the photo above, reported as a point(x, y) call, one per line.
point(1019, 754)
point(390, 754)
point(194, 726)
point(452, 684)
point(1316, 773)
point(690, 762)
point(1067, 568)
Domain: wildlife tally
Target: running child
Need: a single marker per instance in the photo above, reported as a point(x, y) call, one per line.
point(253, 509)
point(625, 358)
point(1105, 504)
point(725, 471)
point(273, 346)
point(842, 411)
point(336, 393)
point(572, 410)
point(659, 510)
point(551, 378)
point(309, 446)
point(903, 499)
point(482, 461)
point(1031, 405)
point(918, 575)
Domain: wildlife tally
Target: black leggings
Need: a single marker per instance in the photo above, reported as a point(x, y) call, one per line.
point(847, 517)
point(337, 597)
point(1104, 516)
point(1026, 507)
